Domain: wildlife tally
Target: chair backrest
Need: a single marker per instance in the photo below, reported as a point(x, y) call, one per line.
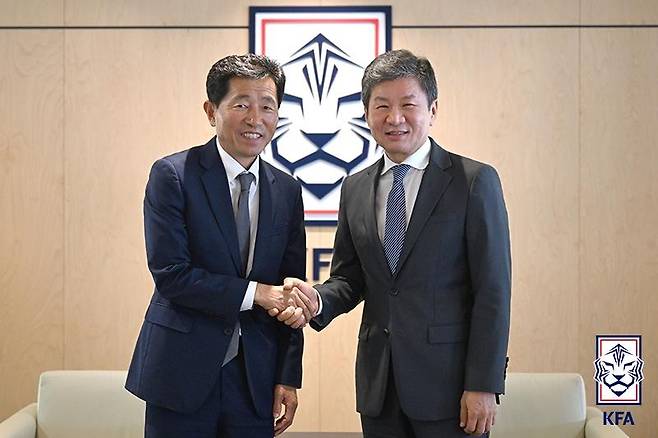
point(541, 405)
point(83, 404)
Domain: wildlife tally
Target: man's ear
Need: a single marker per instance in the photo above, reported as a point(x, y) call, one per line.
point(434, 107)
point(209, 108)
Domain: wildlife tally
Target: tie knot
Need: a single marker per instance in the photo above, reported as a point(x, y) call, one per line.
point(246, 178)
point(399, 171)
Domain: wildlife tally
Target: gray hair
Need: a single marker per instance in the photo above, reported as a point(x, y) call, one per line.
point(398, 64)
point(248, 66)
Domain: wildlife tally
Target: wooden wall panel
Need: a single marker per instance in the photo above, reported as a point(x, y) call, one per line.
point(309, 411)
point(321, 397)
point(164, 13)
point(482, 12)
point(213, 13)
point(31, 212)
point(336, 354)
point(619, 210)
point(31, 13)
point(619, 12)
point(337, 380)
point(509, 98)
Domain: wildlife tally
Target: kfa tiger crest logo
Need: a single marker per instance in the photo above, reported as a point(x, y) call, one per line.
point(322, 136)
point(321, 122)
point(618, 370)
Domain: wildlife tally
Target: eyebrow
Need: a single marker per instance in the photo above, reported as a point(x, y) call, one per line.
point(246, 96)
point(269, 99)
point(408, 96)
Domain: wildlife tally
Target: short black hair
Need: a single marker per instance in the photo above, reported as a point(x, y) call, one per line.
point(398, 64)
point(247, 66)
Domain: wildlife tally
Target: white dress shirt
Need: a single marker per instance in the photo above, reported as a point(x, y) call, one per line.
point(233, 169)
point(418, 161)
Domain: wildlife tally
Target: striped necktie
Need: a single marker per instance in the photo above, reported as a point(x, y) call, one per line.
point(396, 217)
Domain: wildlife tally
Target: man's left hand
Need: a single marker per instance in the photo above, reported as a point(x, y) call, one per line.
point(478, 412)
point(284, 397)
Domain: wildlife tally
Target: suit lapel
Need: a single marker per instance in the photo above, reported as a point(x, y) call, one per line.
point(434, 183)
point(370, 215)
point(215, 184)
point(268, 196)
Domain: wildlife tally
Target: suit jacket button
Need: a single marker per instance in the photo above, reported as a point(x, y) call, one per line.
point(387, 332)
point(394, 292)
point(228, 331)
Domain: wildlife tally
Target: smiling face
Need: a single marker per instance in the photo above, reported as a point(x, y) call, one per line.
point(246, 118)
point(399, 117)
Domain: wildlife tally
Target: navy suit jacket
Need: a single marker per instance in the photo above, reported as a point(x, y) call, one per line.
point(193, 255)
point(442, 321)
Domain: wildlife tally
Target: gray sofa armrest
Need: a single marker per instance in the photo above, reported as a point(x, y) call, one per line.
point(23, 424)
point(594, 427)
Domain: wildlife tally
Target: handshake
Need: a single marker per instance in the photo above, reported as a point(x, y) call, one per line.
point(294, 303)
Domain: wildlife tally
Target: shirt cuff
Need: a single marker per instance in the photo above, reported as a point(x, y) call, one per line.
point(248, 300)
point(319, 303)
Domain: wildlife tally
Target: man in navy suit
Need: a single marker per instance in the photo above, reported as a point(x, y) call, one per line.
point(423, 240)
point(222, 226)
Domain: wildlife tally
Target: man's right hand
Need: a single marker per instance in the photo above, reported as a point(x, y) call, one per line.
point(271, 297)
point(277, 300)
point(304, 296)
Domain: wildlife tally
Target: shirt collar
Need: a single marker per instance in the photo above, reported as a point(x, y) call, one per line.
point(233, 168)
point(418, 160)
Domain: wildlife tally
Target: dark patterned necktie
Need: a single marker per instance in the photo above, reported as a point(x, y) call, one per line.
point(396, 217)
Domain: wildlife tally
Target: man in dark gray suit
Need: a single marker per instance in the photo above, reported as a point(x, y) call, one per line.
point(423, 239)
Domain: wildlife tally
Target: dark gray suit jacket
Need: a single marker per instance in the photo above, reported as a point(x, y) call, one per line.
point(442, 322)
